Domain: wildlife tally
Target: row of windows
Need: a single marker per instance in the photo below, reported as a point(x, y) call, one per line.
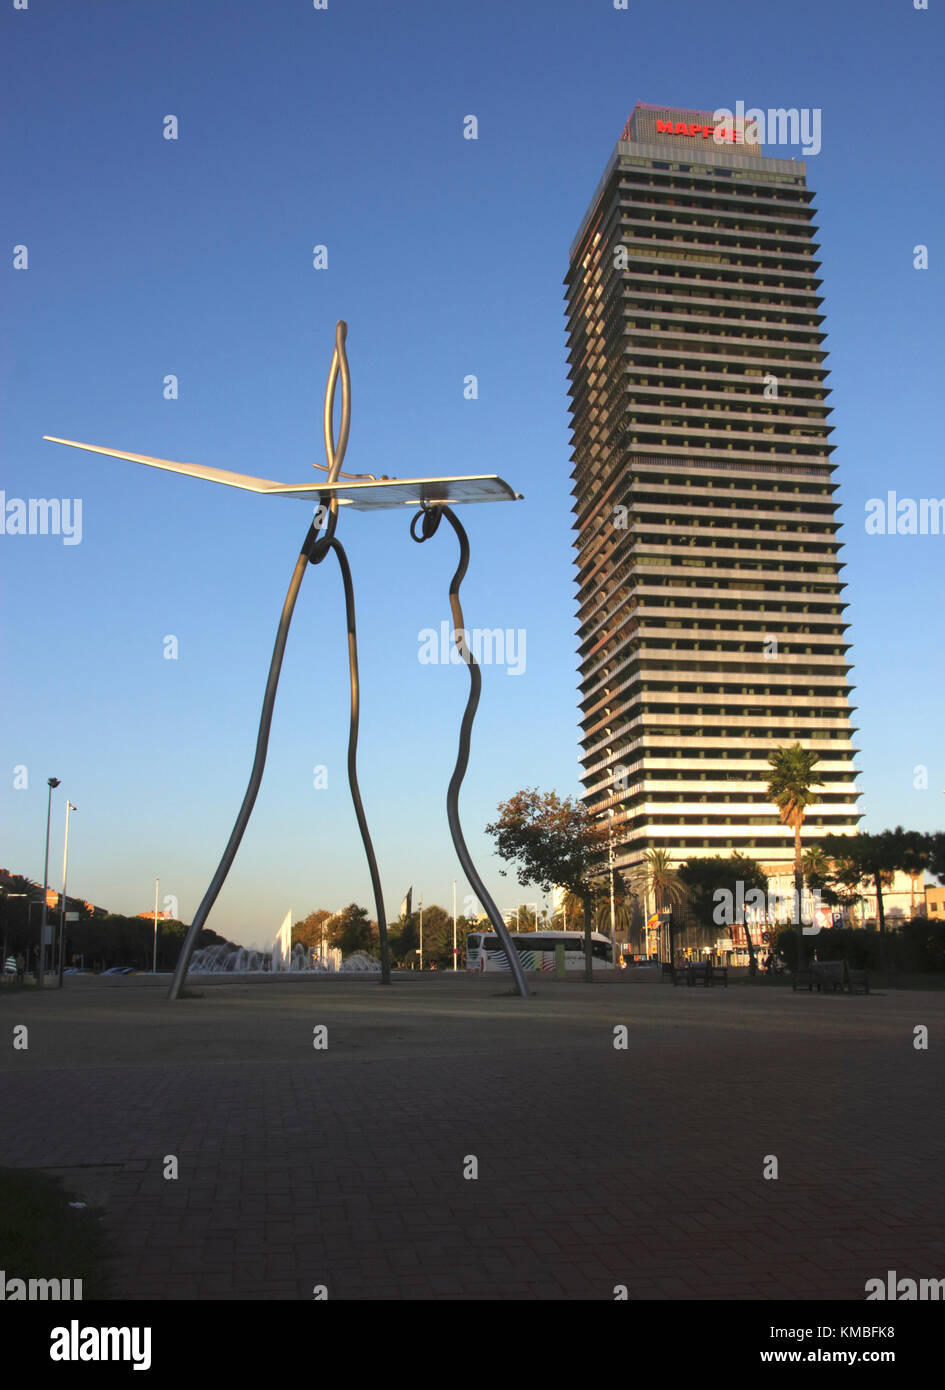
point(659, 287)
point(634, 709)
point(749, 406)
point(768, 732)
point(652, 775)
point(741, 425)
point(765, 216)
point(838, 800)
point(637, 822)
point(730, 671)
point(707, 170)
point(679, 848)
point(661, 644)
point(647, 687)
point(643, 249)
point(643, 756)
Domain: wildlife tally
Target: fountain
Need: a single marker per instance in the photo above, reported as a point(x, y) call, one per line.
point(226, 959)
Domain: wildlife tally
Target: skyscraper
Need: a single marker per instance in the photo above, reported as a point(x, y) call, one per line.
point(709, 595)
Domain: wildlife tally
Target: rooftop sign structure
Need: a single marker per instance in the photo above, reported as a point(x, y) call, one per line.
point(650, 125)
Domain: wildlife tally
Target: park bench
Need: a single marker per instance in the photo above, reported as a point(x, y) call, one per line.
point(701, 973)
point(828, 974)
point(832, 975)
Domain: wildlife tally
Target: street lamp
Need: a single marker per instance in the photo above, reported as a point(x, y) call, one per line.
point(610, 860)
point(41, 958)
point(62, 911)
point(154, 964)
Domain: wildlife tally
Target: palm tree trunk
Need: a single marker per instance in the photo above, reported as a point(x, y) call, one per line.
point(588, 944)
point(881, 914)
point(798, 890)
point(752, 963)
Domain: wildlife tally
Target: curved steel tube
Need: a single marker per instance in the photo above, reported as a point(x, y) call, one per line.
point(339, 365)
point(255, 777)
point(353, 760)
point(465, 737)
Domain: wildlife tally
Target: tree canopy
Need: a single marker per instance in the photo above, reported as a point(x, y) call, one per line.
point(553, 840)
point(706, 880)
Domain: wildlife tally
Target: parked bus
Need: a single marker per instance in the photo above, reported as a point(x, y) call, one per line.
point(536, 950)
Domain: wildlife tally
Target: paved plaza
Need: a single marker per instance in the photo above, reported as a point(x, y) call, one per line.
point(597, 1166)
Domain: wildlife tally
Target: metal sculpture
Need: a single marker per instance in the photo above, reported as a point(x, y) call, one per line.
point(361, 492)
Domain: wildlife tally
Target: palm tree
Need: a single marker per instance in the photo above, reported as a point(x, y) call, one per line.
point(789, 787)
point(657, 875)
point(817, 867)
point(623, 915)
point(571, 911)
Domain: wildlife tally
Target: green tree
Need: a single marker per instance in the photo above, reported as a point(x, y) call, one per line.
point(404, 937)
point(874, 859)
point(16, 894)
point(815, 866)
point(572, 909)
point(524, 918)
point(911, 851)
point(352, 930)
point(937, 855)
point(657, 875)
point(555, 843)
point(623, 912)
point(790, 788)
point(437, 937)
point(311, 931)
point(714, 886)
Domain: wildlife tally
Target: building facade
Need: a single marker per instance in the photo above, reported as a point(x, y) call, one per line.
point(710, 600)
point(934, 903)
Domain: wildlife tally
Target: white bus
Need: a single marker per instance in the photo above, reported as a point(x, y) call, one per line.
point(536, 950)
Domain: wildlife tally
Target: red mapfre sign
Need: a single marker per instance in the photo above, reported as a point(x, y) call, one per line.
point(706, 131)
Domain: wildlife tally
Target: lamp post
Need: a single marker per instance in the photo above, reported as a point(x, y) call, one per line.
point(51, 782)
point(154, 966)
point(62, 911)
point(454, 924)
point(610, 875)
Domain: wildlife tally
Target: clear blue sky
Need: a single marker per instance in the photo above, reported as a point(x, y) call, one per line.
point(193, 257)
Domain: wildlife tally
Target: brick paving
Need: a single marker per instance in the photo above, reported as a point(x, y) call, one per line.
point(596, 1167)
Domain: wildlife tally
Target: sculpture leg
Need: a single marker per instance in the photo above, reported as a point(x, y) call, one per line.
point(262, 743)
point(353, 760)
point(431, 519)
point(255, 778)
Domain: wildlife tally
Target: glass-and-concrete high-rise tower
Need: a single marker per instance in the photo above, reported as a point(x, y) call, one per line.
point(709, 593)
